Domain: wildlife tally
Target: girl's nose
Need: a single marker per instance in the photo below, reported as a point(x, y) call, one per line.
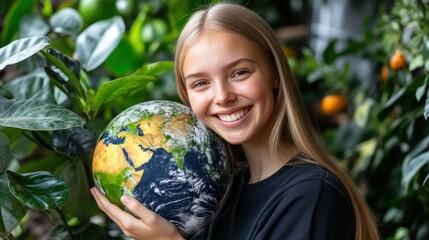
point(223, 94)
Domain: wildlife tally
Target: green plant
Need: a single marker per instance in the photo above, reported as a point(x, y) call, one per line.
point(63, 80)
point(383, 137)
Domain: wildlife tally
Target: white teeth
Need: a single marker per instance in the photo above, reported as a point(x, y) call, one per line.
point(233, 117)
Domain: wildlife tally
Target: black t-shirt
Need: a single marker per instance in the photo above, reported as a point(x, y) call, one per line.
point(299, 201)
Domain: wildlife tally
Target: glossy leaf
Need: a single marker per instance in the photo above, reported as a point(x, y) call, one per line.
point(33, 25)
point(74, 142)
point(5, 153)
point(11, 22)
point(11, 210)
point(22, 49)
point(66, 22)
point(96, 43)
point(114, 89)
point(69, 63)
point(35, 85)
point(36, 115)
point(38, 190)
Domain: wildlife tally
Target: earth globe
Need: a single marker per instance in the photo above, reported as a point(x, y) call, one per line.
point(162, 155)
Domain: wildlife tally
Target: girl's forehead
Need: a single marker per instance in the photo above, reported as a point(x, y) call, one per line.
point(220, 44)
point(219, 39)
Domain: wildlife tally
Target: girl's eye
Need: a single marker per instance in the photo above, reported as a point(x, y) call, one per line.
point(239, 73)
point(199, 84)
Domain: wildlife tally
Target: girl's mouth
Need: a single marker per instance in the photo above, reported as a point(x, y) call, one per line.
point(233, 117)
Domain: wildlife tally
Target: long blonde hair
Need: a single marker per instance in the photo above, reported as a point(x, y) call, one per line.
point(290, 121)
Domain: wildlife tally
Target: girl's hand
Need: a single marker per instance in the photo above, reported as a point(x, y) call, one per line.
point(149, 226)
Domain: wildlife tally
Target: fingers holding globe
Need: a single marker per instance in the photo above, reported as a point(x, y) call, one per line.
point(162, 155)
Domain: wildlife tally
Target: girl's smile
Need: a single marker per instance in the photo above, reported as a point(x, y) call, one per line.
point(234, 116)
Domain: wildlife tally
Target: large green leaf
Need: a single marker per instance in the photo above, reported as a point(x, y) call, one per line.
point(13, 17)
point(11, 210)
point(114, 89)
point(74, 142)
point(36, 115)
point(38, 190)
point(22, 49)
point(35, 85)
point(5, 154)
point(96, 43)
point(33, 25)
point(67, 22)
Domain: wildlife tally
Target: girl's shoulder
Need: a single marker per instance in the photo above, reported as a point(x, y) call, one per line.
point(314, 181)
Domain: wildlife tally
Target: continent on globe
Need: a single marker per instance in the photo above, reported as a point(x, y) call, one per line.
point(162, 155)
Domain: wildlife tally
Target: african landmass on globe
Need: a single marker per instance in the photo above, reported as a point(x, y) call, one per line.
point(161, 154)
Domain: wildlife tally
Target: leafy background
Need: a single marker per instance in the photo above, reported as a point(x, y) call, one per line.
point(68, 67)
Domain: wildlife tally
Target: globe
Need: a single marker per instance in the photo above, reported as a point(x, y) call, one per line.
point(162, 155)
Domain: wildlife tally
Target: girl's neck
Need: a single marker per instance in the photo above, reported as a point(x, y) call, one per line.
point(262, 163)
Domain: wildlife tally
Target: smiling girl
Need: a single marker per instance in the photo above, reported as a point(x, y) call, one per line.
point(232, 72)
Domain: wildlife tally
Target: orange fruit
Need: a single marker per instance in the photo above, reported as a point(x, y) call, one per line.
point(333, 103)
point(384, 73)
point(397, 61)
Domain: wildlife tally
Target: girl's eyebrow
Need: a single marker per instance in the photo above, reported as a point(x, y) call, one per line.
point(226, 67)
point(236, 62)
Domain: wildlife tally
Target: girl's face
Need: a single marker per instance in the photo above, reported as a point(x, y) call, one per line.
point(230, 86)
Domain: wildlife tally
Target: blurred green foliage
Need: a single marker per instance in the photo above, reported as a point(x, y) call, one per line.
point(383, 135)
